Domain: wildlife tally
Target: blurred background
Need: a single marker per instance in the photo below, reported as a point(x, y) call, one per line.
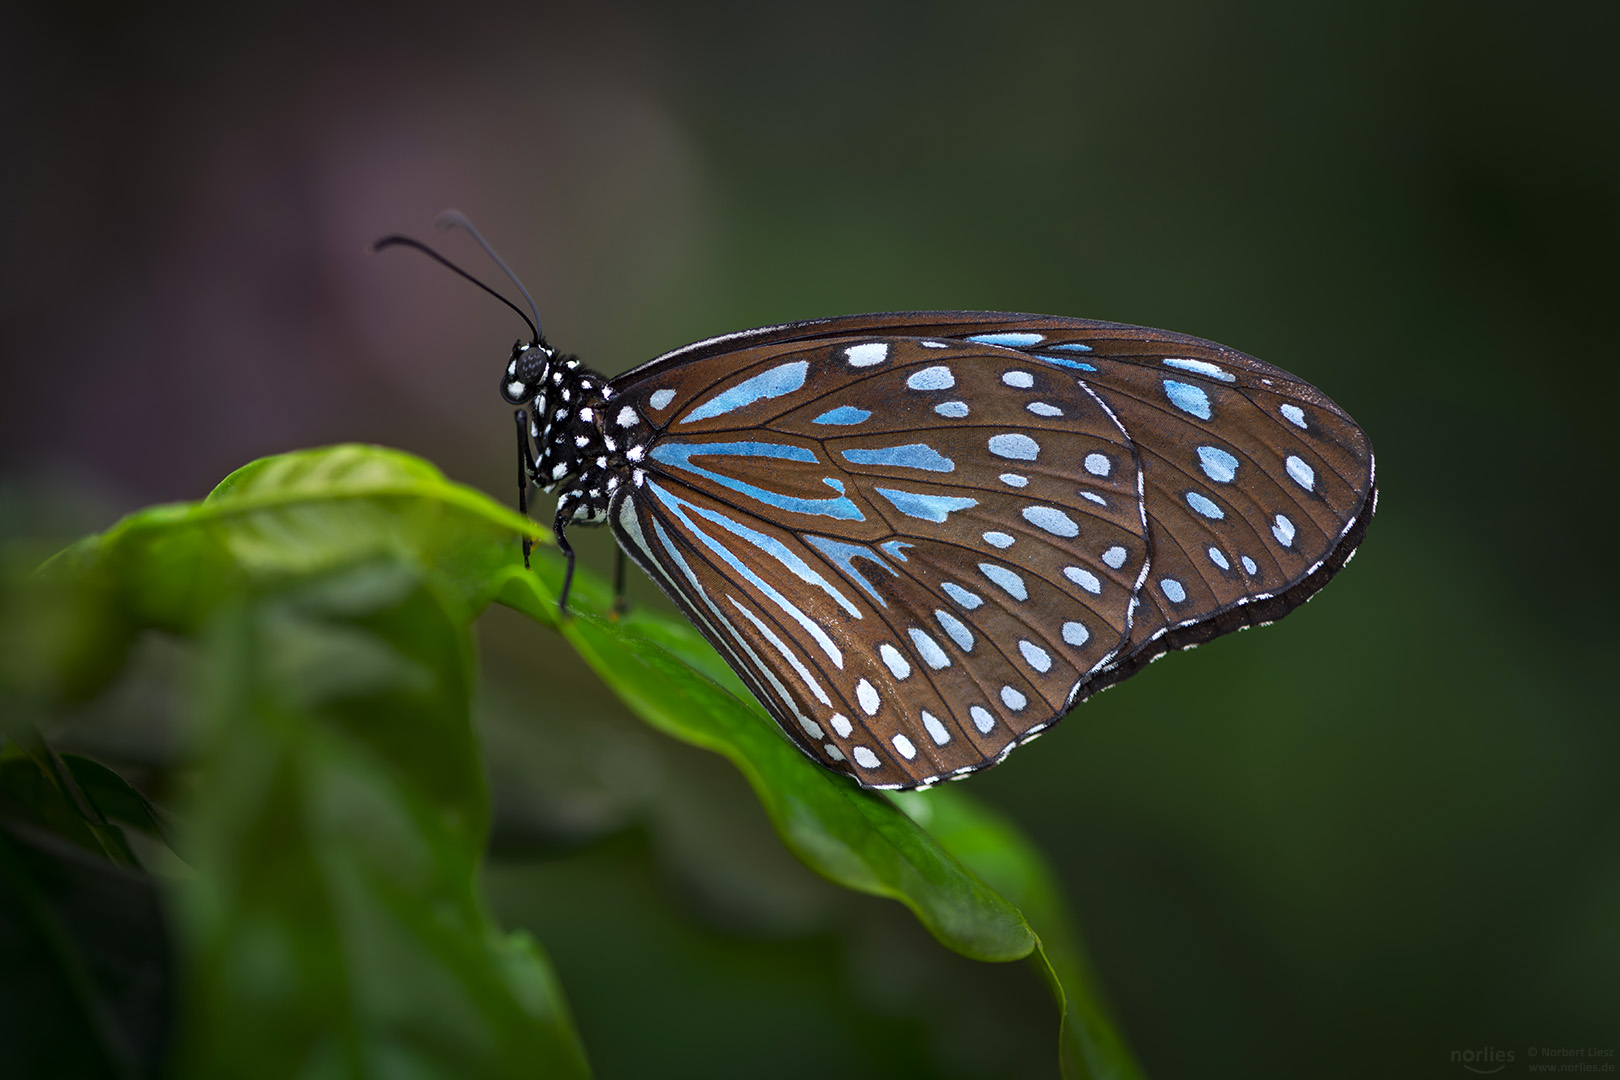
point(1379, 833)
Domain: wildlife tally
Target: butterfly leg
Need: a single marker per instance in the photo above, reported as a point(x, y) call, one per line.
point(559, 528)
point(525, 470)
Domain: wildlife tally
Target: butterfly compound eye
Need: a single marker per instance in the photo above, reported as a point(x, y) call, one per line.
point(523, 373)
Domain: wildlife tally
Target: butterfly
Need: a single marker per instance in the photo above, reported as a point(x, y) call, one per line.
point(921, 538)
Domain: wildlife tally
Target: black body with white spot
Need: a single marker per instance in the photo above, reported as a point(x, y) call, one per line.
point(921, 537)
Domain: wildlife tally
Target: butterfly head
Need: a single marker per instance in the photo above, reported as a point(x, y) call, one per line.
point(526, 371)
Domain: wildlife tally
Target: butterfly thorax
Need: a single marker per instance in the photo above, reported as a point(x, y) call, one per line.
point(582, 443)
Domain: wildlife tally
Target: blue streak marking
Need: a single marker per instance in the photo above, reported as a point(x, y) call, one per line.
point(1071, 346)
point(1188, 398)
point(892, 549)
point(679, 455)
point(1011, 339)
point(767, 544)
point(780, 380)
point(1065, 362)
point(933, 508)
point(844, 556)
point(1202, 367)
point(843, 416)
point(910, 456)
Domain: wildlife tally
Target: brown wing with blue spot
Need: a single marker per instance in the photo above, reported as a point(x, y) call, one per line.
point(920, 538)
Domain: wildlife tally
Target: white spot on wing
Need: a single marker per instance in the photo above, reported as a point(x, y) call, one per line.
point(1303, 474)
point(1015, 446)
point(982, 719)
point(1083, 578)
point(1114, 557)
point(660, 399)
point(865, 758)
point(1023, 380)
point(868, 697)
point(1035, 656)
point(872, 352)
point(895, 660)
point(903, 744)
point(936, 730)
point(1293, 414)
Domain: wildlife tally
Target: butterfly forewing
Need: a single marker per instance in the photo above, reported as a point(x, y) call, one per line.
point(921, 537)
point(928, 539)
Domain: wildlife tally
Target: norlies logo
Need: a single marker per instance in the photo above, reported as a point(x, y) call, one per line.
point(1484, 1061)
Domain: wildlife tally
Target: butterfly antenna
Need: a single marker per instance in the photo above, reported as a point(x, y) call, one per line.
point(406, 241)
point(455, 219)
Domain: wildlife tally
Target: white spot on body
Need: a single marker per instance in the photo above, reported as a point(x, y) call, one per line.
point(867, 697)
point(516, 389)
point(873, 352)
point(626, 417)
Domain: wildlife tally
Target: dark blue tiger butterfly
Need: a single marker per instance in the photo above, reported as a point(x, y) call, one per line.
point(921, 537)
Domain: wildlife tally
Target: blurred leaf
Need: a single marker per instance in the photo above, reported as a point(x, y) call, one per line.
point(993, 848)
point(86, 956)
point(284, 518)
point(336, 925)
point(340, 815)
point(850, 836)
point(118, 800)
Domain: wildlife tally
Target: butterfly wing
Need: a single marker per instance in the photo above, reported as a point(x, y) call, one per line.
point(921, 537)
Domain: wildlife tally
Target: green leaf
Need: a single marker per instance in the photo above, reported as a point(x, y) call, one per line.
point(848, 835)
point(85, 951)
point(340, 815)
point(1000, 854)
point(286, 518)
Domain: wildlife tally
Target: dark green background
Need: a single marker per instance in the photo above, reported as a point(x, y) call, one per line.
point(1349, 845)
